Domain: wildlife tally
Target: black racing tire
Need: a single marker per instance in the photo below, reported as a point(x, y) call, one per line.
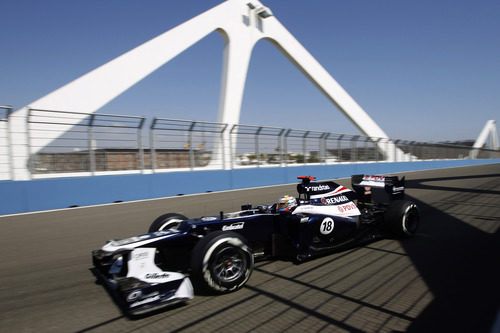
point(166, 221)
point(402, 218)
point(221, 262)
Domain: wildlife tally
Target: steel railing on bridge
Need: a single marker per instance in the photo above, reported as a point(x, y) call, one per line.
point(256, 146)
point(103, 143)
point(90, 143)
point(181, 144)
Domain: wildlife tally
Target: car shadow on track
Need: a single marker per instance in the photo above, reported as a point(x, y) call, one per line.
point(457, 260)
point(423, 184)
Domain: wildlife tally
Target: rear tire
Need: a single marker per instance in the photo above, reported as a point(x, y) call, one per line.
point(402, 218)
point(221, 262)
point(166, 221)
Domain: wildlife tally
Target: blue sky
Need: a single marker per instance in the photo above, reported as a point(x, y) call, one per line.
point(424, 70)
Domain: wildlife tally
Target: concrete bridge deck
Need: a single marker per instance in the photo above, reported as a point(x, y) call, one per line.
point(445, 279)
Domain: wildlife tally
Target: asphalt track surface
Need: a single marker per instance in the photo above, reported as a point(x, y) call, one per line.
point(445, 279)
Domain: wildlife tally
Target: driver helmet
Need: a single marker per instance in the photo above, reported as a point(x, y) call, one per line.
point(286, 204)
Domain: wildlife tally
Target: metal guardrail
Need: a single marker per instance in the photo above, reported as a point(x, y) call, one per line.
point(178, 143)
point(256, 145)
point(5, 146)
point(91, 142)
point(62, 142)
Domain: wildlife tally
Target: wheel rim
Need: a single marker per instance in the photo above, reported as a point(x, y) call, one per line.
point(410, 222)
point(229, 265)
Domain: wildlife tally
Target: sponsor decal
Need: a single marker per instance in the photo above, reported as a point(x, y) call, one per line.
point(334, 200)
point(304, 220)
point(341, 189)
point(134, 295)
point(317, 188)
point(137, 294)
point(374, 178)
point(157, 276)
point(347, 207)
point(208, 218)
point(375, 181)
point(368, 190)
point(140, 255)
point(145, 301)
point(398, 189)
point(233, 226)
point(326, 226)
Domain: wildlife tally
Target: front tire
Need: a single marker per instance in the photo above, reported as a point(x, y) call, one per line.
point(402, 218)
point(221, 262)
point(166, 221)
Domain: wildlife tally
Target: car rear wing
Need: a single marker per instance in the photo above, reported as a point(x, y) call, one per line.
point(307, 188)
point(378, 188)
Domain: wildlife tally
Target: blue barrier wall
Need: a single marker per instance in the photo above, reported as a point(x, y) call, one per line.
point(55, 193)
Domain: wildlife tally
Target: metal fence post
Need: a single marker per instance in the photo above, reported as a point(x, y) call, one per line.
point(402, 144)
point(304, 148)
point(91, 144)
point(377, 153)
point(152, 154)
point(368, 154)
point(395, 153)
point(190, 145)
point(325, 148)
point(354, 148)
point(339, 147)
point(410, 149)
point(280, 145)
point(386, 156)
point(286, 146)
point(224, 150)
point(141, 146)
point(257, 150)
point(233, 150)
point(8, 138)
point(28, 140)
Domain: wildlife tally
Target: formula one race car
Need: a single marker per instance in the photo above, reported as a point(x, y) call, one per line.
point(216, 253)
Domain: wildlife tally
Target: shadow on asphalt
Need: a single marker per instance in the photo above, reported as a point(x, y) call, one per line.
point(423, 184)
point(457, 261)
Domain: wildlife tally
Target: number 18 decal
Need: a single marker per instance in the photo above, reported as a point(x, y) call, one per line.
point(326, 226)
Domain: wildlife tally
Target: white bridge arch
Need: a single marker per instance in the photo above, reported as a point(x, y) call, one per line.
point(242, 23)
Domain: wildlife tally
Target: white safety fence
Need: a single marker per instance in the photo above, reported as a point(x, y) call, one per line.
point(107, 144)
point(94, 143)
point(178, 144)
